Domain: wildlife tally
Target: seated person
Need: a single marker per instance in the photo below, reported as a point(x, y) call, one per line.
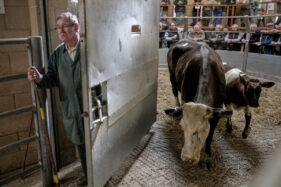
point(216, 39)
point(164, 25)
point(211, 29)
point(197, 34)
point(276, 43)
point(233, 39)
point(172, 35)
point(254, 38)
point(266, 39)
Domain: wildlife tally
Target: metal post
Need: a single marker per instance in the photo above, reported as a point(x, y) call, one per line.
point(185, 30)
point(86, 92)
point(35, 54)
point(245, 57)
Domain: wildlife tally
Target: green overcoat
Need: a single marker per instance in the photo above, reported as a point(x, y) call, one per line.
point(66, 74)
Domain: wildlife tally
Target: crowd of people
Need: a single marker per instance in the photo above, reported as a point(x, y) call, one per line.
point(264, 36)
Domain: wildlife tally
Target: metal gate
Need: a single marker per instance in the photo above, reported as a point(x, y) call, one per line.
point(119, 51)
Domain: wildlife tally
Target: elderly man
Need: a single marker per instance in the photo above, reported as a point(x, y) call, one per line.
point(233, 39)
point(64, 71)
point(197, 34)
point(254, 38)
point(216, 39)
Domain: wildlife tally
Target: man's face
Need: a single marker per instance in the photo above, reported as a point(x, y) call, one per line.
point(197, 28)
point(253, 28)
point(234, 28)
point(218, 28)
point(172, 26)
point(66, 30)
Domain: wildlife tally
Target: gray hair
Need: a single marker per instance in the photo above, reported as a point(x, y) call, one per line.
point(68, 15)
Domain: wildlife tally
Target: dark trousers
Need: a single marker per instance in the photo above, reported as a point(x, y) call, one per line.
point(82, 155)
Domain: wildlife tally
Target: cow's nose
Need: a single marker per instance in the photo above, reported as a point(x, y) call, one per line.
point(187, 159)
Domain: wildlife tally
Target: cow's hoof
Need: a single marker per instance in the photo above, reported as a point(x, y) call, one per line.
point(205, 161)
point(246, 133)
point(229, 129)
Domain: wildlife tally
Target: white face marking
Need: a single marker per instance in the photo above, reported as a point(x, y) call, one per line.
point(185, 44)
point(255, 84)
point(232, 74)
point(196, 129)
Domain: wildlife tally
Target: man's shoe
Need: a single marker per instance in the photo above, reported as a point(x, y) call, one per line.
point(82, 181)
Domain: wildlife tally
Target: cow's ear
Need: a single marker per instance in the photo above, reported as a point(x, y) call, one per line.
point(267, 84)
point(209, 113)
point(243, 79)
point(217, 112)
point(175, 112)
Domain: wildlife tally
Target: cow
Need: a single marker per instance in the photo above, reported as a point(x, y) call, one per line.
point(242, 92)
point(197, 73)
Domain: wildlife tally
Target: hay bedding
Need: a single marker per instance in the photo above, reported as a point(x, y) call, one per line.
point(156, 160)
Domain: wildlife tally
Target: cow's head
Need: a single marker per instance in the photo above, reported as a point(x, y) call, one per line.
point(253, 89)
point(196, 127)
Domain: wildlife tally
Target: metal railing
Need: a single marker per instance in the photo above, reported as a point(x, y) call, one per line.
point(32, 43)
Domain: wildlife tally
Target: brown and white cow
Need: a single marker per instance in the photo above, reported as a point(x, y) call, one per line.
point(196, 71)
point(242, 92)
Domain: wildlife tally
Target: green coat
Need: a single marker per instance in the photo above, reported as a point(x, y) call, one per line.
point(66, 74)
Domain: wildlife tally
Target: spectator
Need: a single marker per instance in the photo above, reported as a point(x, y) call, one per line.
point(164, 25)
point(172, 35)
point(163, 8)
point(254, 38)
point(230, 2)
point(266, 39)
point(277, 40)
point(217, 11)
point(262, 21)
point(211, 28)
point(197, 34)
point(196, 8)
point(233, 39)
point(180, 10)
point(216, 39)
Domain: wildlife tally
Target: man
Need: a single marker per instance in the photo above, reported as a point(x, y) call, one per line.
point(266, 39)
point(216, 39)
point(163, 7)
point(197, 34)
point(172, 35)
point(164, 25)
point(233, 39)
point(254, 38)
point(64, 71)
point(262, 21)
point(180, 10)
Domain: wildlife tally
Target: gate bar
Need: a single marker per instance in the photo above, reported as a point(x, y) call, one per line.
point(12, 77)
point(16, 144)
point(14, 41)
point(19, 174)
point(17, 111)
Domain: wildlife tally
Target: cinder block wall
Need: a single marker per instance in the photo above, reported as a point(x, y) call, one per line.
point(15, 23)
point(22, 19)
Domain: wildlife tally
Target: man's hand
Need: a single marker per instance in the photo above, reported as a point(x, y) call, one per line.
point(33, 74)
point(213, 40)
point(244, 41)
point(229, 40)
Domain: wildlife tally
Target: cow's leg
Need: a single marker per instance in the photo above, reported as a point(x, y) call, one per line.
point(206, 156)
point(174, 89)
point(228, 122)
point(247, 128)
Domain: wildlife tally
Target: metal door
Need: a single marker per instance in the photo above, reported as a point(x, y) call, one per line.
point(119, 43)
